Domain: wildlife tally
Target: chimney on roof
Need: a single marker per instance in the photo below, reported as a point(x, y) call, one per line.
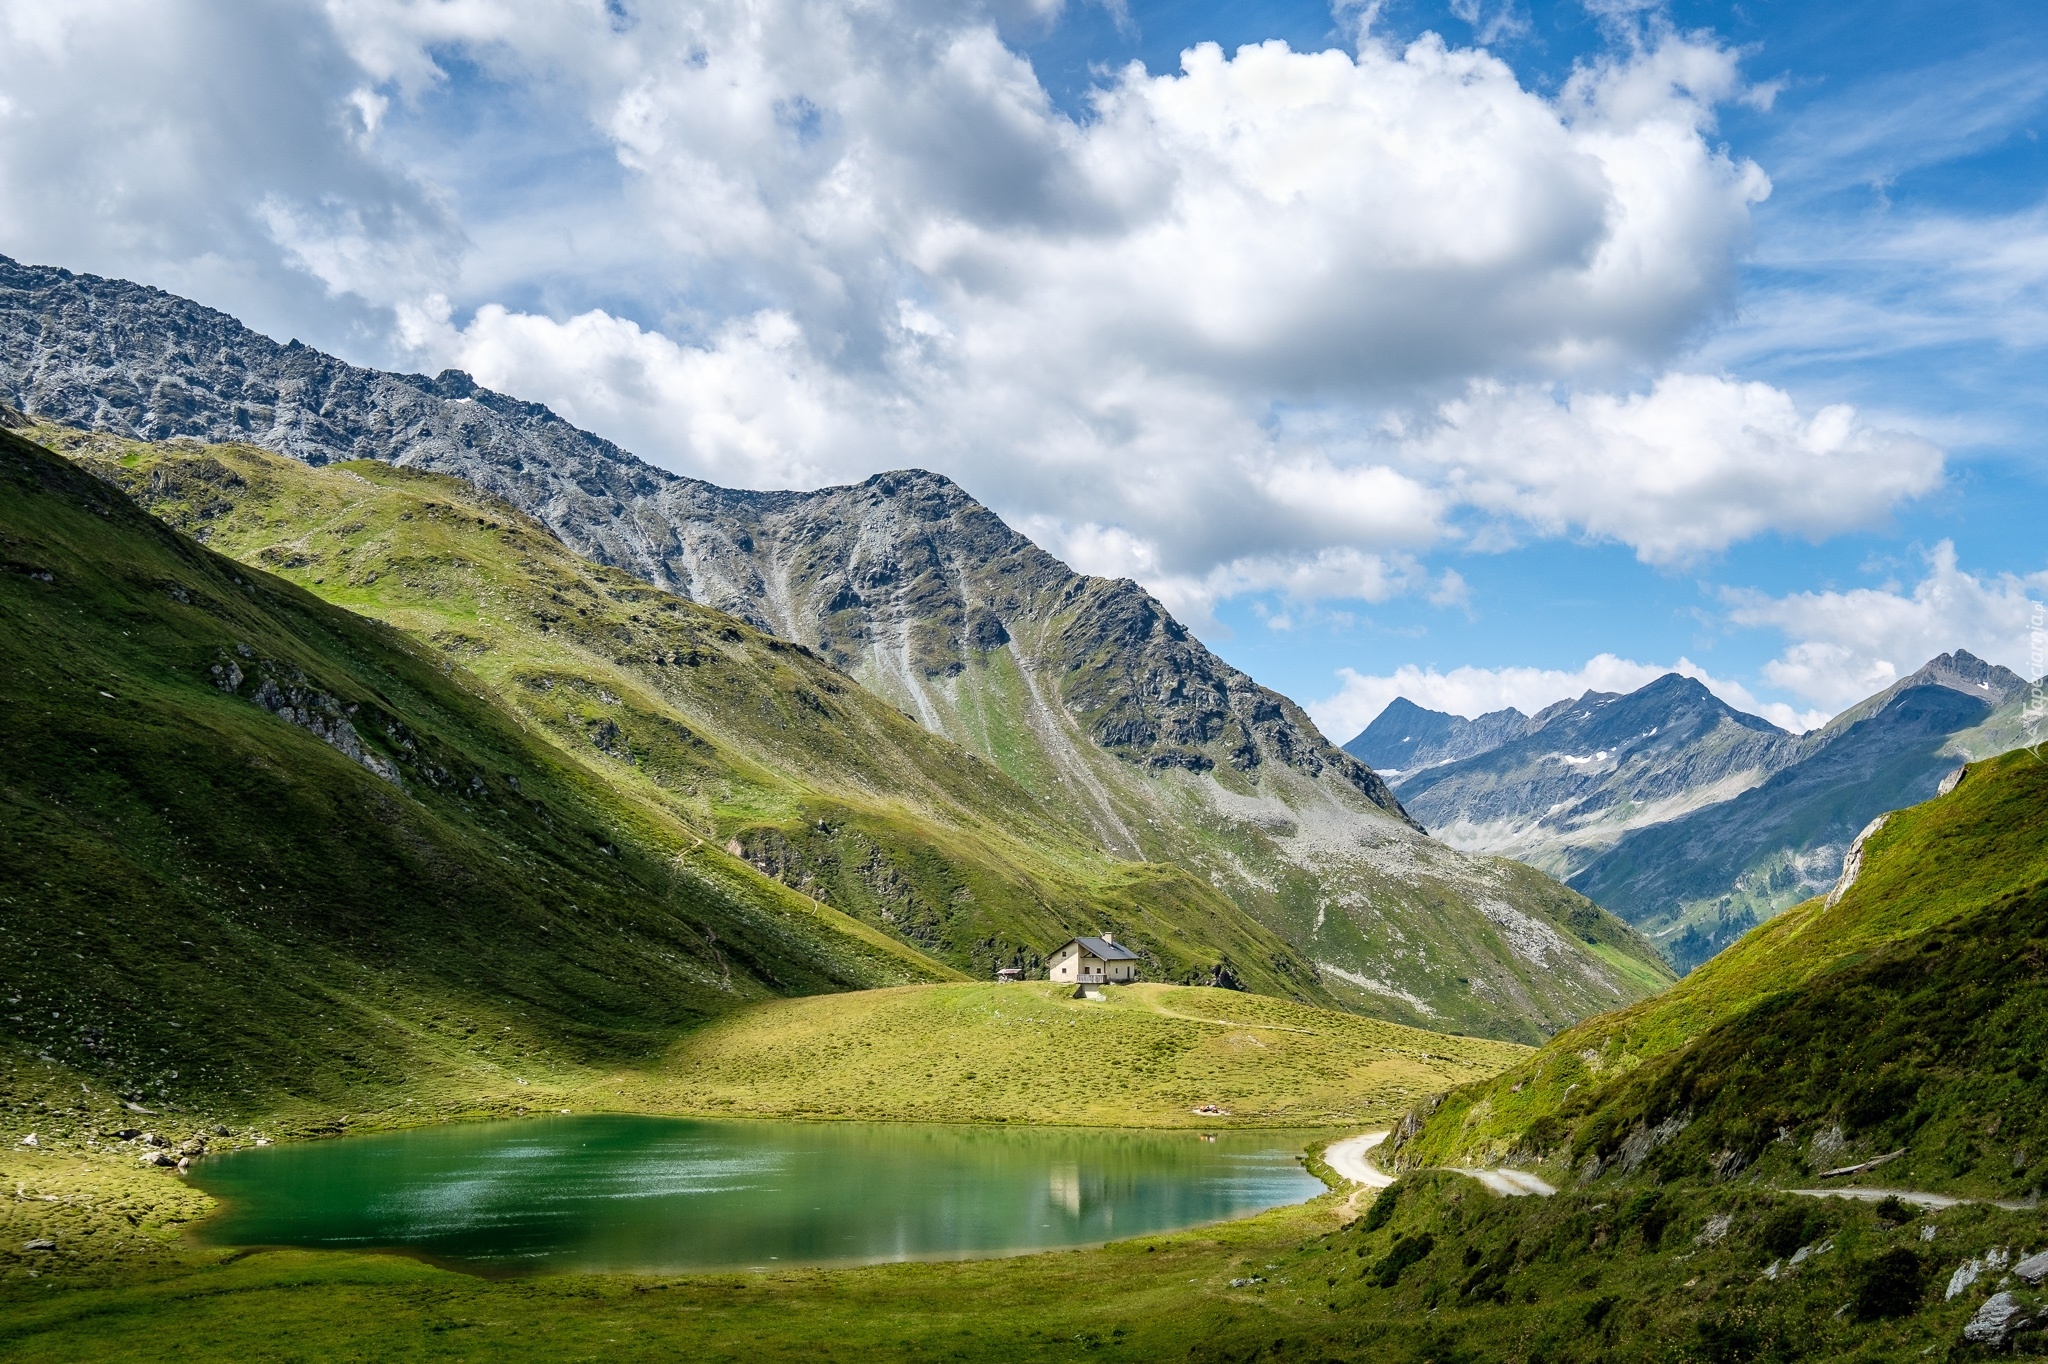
point(1108, 936)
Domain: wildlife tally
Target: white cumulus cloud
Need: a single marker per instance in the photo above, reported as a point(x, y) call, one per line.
point(1690, 467)
point(1846, 645)
point(1274, 321)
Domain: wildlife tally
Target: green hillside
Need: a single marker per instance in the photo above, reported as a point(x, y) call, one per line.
point(1909, 1016)
point(740, 739)
point(261, 852)
point(1005, 1053)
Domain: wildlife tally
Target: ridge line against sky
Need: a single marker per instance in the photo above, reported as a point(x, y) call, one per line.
point(1467, 350)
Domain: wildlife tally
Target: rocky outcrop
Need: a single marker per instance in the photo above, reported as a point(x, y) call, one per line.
point(1997, 1321)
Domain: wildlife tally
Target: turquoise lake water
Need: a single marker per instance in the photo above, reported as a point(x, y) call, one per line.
point(629, 1193)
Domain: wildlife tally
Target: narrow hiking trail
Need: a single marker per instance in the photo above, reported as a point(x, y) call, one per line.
point(1918, 1199)
point(1350, 1158)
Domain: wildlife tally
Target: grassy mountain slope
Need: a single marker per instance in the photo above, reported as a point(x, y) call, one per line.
point(1086, 692)
point(262, 852)
point(2021, 722)
point(745, 740)
point(1908, 1015)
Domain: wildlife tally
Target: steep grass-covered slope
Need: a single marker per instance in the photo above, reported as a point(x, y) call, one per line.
point(1910, 1015)
point(1085, 692)
point(747, 741)
point(256, 851)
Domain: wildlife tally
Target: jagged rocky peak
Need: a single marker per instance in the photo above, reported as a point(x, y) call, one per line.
point(903, 578)
point(1963, 671)
point(909, 582)
point(1406, 737)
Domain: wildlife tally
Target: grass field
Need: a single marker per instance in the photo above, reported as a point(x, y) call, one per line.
point(1150, 1054)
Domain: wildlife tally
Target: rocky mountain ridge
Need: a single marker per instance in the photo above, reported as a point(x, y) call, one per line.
point(1691, 819)
point(1584, 772)
point(1405, 738)
point(1085, 691)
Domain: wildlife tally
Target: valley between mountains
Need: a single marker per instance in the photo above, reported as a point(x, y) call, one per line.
point(385, 752)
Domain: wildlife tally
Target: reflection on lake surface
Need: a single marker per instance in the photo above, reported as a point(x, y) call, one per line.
point(614, 1192)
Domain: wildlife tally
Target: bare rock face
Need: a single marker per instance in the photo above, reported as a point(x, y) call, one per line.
point(1996, 1321)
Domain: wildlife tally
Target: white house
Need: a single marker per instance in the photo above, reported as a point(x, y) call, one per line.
point(1094, 961)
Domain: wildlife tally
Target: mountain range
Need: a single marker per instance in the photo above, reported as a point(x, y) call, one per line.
point(1689, 818)
point(1083, 692)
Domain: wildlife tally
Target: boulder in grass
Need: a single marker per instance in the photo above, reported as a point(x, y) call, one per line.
point(1996, 1321)
point(2034, 1268)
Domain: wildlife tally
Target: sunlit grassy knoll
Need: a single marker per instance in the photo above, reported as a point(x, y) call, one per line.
point(1146, 1056)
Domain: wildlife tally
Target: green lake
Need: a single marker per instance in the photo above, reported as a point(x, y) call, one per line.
point(615, 1192)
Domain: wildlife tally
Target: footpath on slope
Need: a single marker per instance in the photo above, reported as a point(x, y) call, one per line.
point(1350, 1159)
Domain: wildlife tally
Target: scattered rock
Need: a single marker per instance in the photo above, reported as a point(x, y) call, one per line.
point(152, 1139)
point(39, 1243)
point(1246, 1283)
point(30, 1140)
point(1970, 1271)
point(2034, 1268)
point(1996, 1321)
point(1861, 1166)
point(1805, 1253)
point(1716, 1228)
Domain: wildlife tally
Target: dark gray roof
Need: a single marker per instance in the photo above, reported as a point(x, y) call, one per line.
point(1107, 951)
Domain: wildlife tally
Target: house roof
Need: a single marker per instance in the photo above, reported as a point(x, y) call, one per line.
point(1106, 951)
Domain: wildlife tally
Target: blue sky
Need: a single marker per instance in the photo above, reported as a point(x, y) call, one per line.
point(1575, 342)
point(1888, 112)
